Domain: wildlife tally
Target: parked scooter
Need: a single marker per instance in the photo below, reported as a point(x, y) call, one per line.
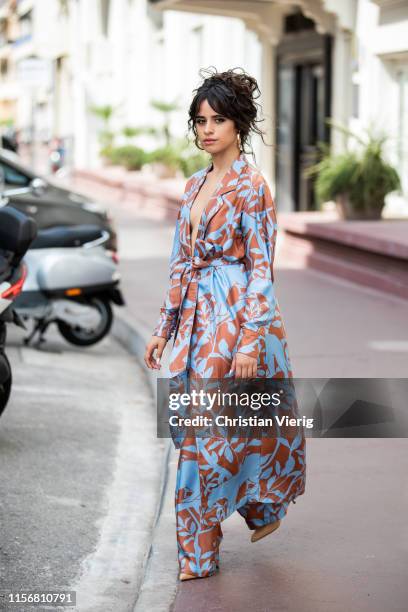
point(72, 280)
point(17, 231)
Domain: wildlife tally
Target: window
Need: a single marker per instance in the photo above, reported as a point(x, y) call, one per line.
point(105, 10)
point(26, 25)
point(14, 177)
point(4, 66)
point(297, 22)
point(355, 100)
point(403, 127)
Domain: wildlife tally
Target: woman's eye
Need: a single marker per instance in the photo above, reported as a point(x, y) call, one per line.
point(217, 120)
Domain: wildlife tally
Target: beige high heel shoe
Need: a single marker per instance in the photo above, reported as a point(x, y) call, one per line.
point(263, 531)
point(183, 576)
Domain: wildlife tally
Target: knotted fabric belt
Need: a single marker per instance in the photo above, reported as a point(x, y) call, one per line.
point(193, 264)
point(197, 263)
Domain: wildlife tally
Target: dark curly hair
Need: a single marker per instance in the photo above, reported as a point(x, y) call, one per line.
point(232, 94)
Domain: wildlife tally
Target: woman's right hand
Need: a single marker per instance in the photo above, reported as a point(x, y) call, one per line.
point(153, 361)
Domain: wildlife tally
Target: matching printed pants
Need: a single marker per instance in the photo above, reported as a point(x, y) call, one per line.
point(198, 541)
point(199, 552)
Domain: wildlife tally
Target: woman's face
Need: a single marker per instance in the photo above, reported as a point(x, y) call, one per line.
point(215, 132)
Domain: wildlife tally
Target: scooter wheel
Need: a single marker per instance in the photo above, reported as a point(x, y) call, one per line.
point(5, 385)
point(81, 337)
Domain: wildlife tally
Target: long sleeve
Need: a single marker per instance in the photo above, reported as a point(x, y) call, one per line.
point(259, 228)
point(166, 323)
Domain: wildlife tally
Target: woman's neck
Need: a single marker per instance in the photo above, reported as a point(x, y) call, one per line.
point(223, 161)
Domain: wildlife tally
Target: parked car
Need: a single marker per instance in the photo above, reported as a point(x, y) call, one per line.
point(48, 204)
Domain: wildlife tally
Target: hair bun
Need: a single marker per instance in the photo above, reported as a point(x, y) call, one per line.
point(240, 82)
point(231, 93)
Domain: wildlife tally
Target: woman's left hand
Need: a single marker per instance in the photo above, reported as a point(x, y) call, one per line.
point(244, 366)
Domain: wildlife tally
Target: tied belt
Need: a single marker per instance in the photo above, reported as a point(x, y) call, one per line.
point(191, 265)
point(196, 263)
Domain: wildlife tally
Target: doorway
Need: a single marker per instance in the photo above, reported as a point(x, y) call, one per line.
point(303, 103)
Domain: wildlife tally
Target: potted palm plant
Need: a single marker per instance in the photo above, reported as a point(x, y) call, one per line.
point(357, 180)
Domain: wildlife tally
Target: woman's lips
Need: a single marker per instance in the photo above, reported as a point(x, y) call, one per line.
point(209, 141)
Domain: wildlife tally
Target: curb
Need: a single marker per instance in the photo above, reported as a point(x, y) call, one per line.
point(110, 573)
point(131, 335)
point(158, 585)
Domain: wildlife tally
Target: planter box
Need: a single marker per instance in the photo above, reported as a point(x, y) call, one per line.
point(347, 211)
point(371, 253)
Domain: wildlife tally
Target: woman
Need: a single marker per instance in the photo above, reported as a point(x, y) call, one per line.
point(222, 308)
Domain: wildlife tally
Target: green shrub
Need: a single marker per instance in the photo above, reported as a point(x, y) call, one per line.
point(335, 175)
point(129, 156)
point(106, 138)
point(166, 155)
point(363, 175)
point(190, 162)
point(179, 156)
point(106, 152)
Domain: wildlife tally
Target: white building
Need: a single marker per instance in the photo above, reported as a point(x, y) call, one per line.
point(381, 78)
point(344, 59)
point(126, 54)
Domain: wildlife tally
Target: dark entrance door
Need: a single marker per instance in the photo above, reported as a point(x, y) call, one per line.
point(303, 103)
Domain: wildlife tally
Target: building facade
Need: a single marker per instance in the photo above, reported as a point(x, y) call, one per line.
point(314, 59)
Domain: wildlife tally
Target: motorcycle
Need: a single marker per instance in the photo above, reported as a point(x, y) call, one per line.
point(72, 280)
point(17, 231)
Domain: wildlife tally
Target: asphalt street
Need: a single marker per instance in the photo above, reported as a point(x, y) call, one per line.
point(80, 473)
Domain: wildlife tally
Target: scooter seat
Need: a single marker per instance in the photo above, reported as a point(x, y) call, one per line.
point(5, 269)
point(66, 236)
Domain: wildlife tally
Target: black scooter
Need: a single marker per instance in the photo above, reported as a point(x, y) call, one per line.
point(17, 231)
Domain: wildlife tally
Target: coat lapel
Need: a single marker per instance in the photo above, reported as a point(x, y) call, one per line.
point(228, 183)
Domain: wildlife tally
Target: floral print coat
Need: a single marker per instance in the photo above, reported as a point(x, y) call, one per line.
point(221, 298)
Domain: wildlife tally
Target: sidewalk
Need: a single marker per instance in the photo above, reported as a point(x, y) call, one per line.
point(341, 545)
point(81, 470)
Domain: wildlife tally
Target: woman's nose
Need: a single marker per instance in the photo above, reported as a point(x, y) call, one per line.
point(208, 128)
